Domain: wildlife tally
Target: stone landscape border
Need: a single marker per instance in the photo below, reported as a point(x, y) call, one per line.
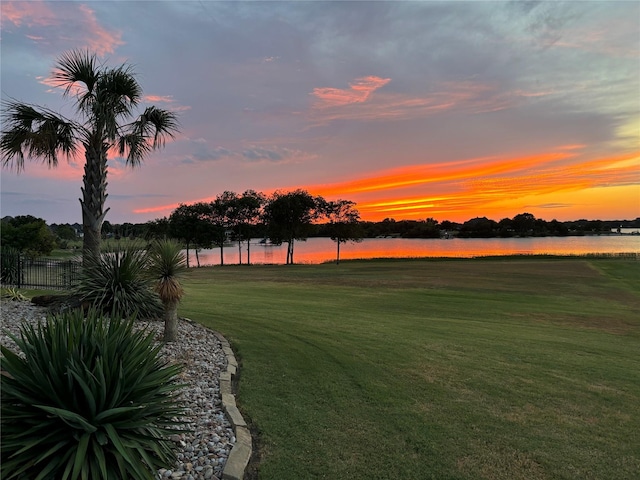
point(241, 451)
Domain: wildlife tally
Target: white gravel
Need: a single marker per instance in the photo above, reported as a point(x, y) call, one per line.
point(204, 447)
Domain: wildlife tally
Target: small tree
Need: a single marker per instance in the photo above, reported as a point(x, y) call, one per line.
point(192, 224)
point(28, 234)
point(226, 218)
point(249, 207)
point(167, 265)
point(344, 222)
point(289, 217)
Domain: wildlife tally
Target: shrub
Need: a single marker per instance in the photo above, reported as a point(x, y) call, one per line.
point(10, 266)
point(88, 399)
point(117, 282)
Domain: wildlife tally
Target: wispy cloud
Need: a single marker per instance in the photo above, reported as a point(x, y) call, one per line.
point(170, 102)
point(29, 14)
point(358, 92)
point(65, 24)
point(471, 96)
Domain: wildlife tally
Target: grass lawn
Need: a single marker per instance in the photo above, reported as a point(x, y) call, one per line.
point(445, 369)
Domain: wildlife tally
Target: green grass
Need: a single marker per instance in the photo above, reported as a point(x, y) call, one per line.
point(417, 369)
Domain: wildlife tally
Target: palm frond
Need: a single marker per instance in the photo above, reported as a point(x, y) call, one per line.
point(37, 133)
point(77, 66)
point(119, 86)
point(134, 147)
point(117, 93)
point(152, 129)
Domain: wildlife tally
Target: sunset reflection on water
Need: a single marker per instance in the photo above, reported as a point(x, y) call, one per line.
point(320, 250)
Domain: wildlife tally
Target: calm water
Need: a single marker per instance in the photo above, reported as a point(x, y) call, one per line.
point(318, 250)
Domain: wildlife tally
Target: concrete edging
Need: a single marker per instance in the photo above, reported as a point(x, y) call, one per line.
point(241, 451)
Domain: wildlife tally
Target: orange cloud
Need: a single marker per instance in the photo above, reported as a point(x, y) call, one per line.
point(170, 207)
point(359, 92)
point(101, 40)
point(82, 28)
point(27, 13)
point(482, 186)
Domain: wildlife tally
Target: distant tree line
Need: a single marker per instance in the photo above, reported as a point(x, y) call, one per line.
point(284, 217)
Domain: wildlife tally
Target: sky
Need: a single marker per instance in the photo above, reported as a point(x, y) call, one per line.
point(413, 110)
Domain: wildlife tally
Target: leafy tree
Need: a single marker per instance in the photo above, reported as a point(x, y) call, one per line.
point(480, 227)
point(106, 99)
point(64, 231)
point(524, 224)
point(167, 265)
point(289, 217)
point(28, 234)
point(107, 228)
point(558, 228)
point(249, 208)
point(158, 228)
point(192, 224)
point(226, 217)
point(506, 228)
point(238, 213)
point(344, 222)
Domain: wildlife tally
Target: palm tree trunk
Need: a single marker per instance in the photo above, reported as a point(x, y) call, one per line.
point(171, 321)
point(94, 195)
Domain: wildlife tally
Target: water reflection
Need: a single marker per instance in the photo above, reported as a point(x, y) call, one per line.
point(319, 250)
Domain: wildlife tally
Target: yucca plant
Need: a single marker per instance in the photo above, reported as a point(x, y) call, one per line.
point(86, 400)
point(167, 264)
point(117, 282)
point(10, 266)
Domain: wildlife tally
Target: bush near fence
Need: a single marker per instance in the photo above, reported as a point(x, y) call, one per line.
point(47, 273)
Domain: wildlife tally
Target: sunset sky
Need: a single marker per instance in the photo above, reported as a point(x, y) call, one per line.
point(445, 110)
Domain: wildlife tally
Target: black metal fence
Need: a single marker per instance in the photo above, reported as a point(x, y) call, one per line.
point(51, 274)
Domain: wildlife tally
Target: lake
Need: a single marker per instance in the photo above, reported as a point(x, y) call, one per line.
point(319, 250)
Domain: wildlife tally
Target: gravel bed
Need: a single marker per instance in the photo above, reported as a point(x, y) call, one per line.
point(203, 448)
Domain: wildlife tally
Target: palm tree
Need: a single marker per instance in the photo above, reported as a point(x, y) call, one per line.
point(167, 265)
point(106, 99)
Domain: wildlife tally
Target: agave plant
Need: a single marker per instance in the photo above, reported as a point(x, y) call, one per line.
point(86, 399)
point(117, 282)
point(167, 264)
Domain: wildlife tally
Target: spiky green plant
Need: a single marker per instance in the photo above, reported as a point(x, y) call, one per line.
point(9, 266)
point(117, 282)
point(167, 264)
point(87, 399)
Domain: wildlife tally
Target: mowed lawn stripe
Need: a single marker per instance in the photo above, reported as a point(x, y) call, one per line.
point(387, 370)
